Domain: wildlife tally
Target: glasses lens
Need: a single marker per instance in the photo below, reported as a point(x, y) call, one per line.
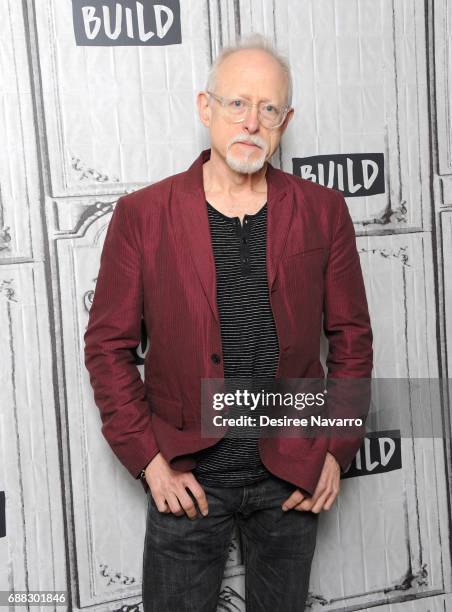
point(270, 114)
point(236, 107)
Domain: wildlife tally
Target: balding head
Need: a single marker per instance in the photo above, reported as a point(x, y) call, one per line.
point(251, 49)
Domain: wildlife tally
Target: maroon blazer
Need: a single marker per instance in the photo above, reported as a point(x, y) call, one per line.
point(157, 263)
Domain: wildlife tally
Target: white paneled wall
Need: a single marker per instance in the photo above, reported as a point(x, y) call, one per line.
point(80, 126)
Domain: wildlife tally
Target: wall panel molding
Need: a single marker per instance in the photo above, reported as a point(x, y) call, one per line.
point(443, 81)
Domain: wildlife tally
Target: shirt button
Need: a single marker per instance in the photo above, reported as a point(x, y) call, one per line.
point(215, 358)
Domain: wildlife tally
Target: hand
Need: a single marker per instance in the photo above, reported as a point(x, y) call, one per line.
point(325, 493)
point(168, 488)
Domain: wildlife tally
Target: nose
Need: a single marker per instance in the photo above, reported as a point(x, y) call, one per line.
point(251, 121)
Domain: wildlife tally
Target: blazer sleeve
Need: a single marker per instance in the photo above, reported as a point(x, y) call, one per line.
point(113, 330)
point(347, 327)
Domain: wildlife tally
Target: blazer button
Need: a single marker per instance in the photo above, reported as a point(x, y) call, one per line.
point(215, 358)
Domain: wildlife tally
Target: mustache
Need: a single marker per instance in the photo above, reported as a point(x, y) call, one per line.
point(249, 141)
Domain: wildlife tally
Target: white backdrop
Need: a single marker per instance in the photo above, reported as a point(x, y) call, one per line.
point(81, 125)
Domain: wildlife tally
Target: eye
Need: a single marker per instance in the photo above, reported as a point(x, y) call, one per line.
point(270, 109)
point(237, 103)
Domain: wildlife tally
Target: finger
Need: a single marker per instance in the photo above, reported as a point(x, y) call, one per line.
point(319, 504)
point(330, 500)
point(330, 492)
point(305, 505)
point(166, 509)
point(322, 491)
point(160, 503)
point(295, 498)
point(200, 496)
point(187, 504)
point(174, 505)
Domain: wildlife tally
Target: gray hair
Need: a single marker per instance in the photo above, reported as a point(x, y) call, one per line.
point(252, 41)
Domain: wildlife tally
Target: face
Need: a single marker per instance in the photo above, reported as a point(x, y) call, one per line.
point(256, 76)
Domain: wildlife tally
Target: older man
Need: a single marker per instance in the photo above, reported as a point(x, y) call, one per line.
point(232, 265)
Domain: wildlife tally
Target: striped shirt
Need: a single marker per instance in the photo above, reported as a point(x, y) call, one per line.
point(249, 339)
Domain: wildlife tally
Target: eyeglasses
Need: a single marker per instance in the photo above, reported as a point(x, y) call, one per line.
point(236, 109)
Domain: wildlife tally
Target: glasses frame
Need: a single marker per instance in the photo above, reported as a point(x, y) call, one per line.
point(224, 100)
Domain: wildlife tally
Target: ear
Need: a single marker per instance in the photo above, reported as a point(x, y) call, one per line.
point(286, 120)
point(202, 101)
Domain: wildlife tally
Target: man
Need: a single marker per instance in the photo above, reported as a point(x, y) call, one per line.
point(232, 265)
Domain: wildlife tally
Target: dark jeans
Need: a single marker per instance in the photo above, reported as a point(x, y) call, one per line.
point(184, 559)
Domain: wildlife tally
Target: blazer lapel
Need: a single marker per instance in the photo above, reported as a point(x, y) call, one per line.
point(193, 212)
point(279, 214)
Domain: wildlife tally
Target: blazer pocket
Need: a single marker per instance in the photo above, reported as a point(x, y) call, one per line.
point(167, 409)
point(313, 251)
